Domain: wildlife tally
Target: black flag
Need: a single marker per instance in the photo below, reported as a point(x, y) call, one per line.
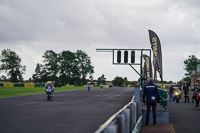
point(147, 67)
point(157, 54)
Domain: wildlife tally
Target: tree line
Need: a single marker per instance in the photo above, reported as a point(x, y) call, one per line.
point(66, 67)
point(190, 67)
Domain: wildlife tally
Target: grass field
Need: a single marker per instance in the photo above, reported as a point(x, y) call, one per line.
point(18, 91)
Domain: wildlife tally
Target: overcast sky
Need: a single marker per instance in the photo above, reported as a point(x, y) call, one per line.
point(30, 27)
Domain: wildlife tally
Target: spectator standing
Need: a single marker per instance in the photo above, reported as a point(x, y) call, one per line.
point(171, 93)
point(152, 98)
point(186, 91)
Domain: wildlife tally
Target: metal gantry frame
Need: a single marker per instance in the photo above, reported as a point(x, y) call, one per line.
point(130, 64)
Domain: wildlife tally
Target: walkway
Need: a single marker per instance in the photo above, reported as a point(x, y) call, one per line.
point(184, 118)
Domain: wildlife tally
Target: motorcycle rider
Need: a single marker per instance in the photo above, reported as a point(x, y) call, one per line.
point(49, 84)
point(193, 91)
point(89, 86)
point(196, 92)
point(101, 86)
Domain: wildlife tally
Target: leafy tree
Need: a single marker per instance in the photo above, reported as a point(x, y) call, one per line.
point(40, 74)
point(11, 64)
point(133, 82)
point(101, 79)
point(187, 79)
point(51, 62)
point(191, 64)
point(3, 77)
point(67, 67)
point(126, 82)
point(91, 75)
point(118, 81)
point(83, 63)
point(49, 70)
point(75, 78)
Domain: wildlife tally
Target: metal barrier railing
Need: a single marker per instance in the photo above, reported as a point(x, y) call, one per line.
point(126, 120)
point(138, 125)
point(163, 98)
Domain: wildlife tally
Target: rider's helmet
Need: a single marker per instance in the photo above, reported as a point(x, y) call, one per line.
point(47, 82)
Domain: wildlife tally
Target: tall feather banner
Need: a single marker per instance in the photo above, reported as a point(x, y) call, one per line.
point(157, 54)
point(147, 67)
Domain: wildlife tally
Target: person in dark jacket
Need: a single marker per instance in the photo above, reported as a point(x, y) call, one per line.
point(186, 91)
point(171, 93)
point(152, 98)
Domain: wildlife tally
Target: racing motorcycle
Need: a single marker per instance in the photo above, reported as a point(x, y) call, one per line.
point(177, 95)
point(101, 86)
point(198, 97)
point(49, 93)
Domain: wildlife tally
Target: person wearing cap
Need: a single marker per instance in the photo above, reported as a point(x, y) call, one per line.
point(152, 97)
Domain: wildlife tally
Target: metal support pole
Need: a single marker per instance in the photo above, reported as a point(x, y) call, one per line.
point(141, 83)
point(113, 55)
point(135, 70)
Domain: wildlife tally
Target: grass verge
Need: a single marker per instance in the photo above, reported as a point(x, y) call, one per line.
point(18, 91)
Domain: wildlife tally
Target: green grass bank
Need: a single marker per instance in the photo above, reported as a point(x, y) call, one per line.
point(18, 91)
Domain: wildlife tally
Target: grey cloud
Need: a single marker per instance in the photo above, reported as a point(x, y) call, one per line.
point(72, 25)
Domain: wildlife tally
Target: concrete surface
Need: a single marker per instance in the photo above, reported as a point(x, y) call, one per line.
point(184, 117)
point(161, 128)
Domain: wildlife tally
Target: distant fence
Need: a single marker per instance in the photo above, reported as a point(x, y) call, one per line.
point(29, 84)
point(21, 85)
point(8, 84)
point(37, 85)
point(87, 85)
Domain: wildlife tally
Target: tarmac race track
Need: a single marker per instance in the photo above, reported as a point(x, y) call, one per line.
point(184, 117)
point(69, 112)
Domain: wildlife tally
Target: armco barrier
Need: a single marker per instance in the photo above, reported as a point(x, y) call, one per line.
point(126, 120)
point(8, 84)
point(39, 85)
point(87, 86)
point(29, 84)
point(18, 85)
point(1, 84)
